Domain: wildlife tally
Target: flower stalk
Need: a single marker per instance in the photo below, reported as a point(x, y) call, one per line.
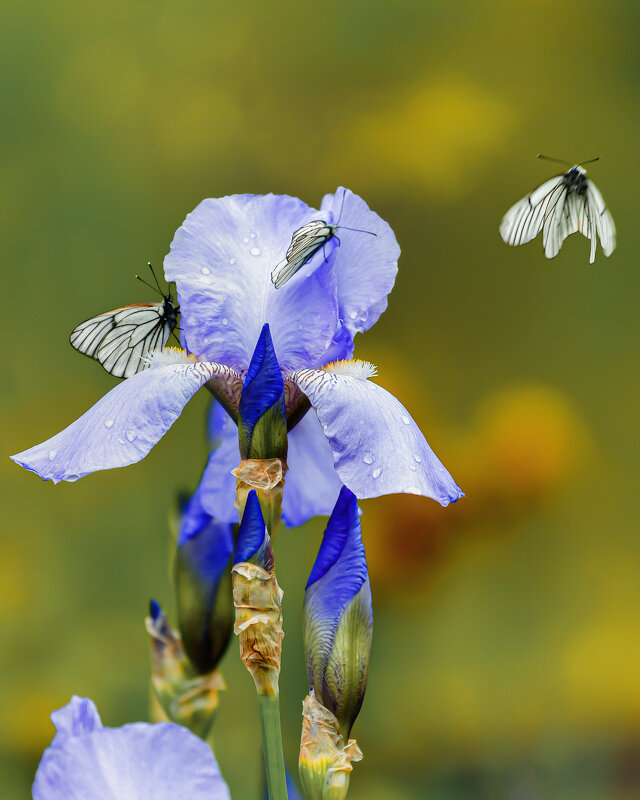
point(258, 602)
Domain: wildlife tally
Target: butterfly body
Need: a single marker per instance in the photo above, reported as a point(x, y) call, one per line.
point(122, 340)
point(305, 243)
point(563, 205)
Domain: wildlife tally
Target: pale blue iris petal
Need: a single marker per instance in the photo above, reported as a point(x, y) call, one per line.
point(377, 447)
point(312, 485)
point(365, 265)
point(217, 490)
point(135, 762)
point(122, 427)
point(221, 259)
point(79, 716)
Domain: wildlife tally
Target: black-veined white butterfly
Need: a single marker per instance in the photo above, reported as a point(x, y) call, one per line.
point(122, 339)
point(563, 205)
point(305, 243)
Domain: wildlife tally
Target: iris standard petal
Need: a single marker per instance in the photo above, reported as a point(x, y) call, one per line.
point(365, 265)
point(312, 485)
point(221, 259)
point(135, 762)
point(123, 426)
point(377, 447)
point(217, 489)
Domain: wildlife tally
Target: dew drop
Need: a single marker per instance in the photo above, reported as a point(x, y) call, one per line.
point(131, 435)
point(417, 459)
point(412, 467)
point(377, 472)
point(406, 420)
point(52, 454)
point(225, 321)
point(353, 315)
point(232, 260)
point(246, 240)
point(412, 490)
point(255, 251)
point(205, 270)
point(253, 234)
point(368, 458)
point(108, 423)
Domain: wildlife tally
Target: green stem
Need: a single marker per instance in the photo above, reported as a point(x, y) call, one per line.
point(269, 705)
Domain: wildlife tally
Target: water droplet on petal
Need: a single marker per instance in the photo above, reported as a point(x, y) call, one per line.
point(131, 435)
point(353, 315)
point(246, 240)
point(52, 454)
point(205, 270)
point(108, 423)
point(225, 321)
point(406, 420)
point(255, 251)
point(417, 459)
point(412, 490)
point(412, 467)
point(253, 234)
point(368, 458)
point(377, 472)
point(232, 261)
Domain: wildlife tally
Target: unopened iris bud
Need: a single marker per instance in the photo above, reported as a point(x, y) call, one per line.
point(262, 432)
point(262, 422)
point(258, 600)
point(202, 574)
point(337, 631)
point(338, 616)
point(184, 697)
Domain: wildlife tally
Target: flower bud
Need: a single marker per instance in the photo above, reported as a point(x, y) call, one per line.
point(257, 598)
point(185, 698)
point(262, 422)
point(325, 760)
point(338, 616)
point(202, 575)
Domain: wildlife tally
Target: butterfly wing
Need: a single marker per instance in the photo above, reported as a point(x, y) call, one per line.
point(305, 242)
point(559, 220)
point(122, 339)
point(599, 221)
point(524, 220)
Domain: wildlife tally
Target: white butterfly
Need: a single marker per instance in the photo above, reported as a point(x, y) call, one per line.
point(122, 339)
point(563, 205)
point(305, 242)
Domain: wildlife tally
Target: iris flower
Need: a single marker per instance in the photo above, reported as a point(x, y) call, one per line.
point(344, 429)
point(86, 761)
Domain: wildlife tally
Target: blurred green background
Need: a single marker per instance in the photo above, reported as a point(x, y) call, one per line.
point(506, 658)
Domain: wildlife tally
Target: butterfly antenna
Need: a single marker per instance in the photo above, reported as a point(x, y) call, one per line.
point(357, 230)
point(155, 278)
point(344, 194)
point(148, 284)
point(550, 158)
point(590, 161)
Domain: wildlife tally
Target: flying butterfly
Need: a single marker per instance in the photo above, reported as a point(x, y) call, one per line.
point(305, 243)
point(122, 339)
point(563, 205)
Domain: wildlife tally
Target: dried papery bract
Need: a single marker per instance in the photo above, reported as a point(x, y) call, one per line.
point(185, 697)
point(266, 476)
point(325, 759)
point(257, 598)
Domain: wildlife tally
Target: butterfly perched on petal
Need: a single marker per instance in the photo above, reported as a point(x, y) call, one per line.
point(563, 205)
point(123, 339)
point(305, 243)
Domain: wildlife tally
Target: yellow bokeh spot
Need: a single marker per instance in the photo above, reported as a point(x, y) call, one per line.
point(438, 134)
